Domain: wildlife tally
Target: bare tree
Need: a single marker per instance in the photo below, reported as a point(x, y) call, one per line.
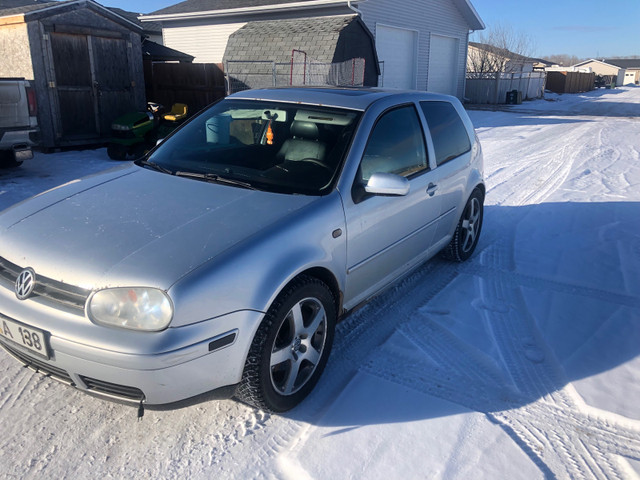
point(563, 60)
point(499, 49)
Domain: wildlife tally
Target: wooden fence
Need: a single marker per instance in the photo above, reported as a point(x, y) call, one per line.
point(195, 84)
point(493, 87)
point(570, 82)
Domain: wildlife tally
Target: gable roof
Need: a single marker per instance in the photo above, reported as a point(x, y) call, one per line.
point(191, 6)
point(19, 3)
point(470, 14)
point(502, 52)
point(148, 27)
point(34, 10)
point(625, 63)
point(16, 7)
point(594, 60)
point(211, 8)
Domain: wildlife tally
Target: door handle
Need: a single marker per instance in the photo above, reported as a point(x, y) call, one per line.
point(431, 189)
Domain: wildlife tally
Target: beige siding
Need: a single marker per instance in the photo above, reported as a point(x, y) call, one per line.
point(205, 42)
point(15, 51)
point(439, 17)
point(600, 68)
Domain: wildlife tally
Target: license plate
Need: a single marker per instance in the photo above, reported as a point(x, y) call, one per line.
point(30, 338)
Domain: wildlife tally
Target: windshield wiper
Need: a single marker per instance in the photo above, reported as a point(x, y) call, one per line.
point(213, 177)
point(155, 166)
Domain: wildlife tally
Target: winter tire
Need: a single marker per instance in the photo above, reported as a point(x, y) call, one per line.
point(116, 151)
point(290, 348)
point(465, 238)
point(7, 160)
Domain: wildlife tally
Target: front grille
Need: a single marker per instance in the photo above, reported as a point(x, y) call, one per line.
point(119, 391)
point(58, 292)
point(39, 365)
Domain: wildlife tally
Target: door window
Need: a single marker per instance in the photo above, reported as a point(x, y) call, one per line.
point(450, 139)
point(396, 145)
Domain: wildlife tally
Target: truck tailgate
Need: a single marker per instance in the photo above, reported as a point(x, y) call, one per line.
point(14, 106)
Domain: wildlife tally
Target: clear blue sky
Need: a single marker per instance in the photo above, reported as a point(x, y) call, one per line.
point(584, 28)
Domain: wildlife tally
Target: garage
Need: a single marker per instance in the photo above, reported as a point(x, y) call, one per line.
point(397, 48)
point(443, 62)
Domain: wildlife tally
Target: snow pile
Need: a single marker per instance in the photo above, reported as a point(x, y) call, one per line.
point(521, 363)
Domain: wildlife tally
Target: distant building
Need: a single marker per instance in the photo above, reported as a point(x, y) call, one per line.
point(485, 58)
point(623, 71)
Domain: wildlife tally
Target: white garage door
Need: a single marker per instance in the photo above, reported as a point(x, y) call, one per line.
point(397, 49)
point(443, 65)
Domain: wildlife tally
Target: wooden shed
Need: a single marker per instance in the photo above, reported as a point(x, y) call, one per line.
point(84, 60)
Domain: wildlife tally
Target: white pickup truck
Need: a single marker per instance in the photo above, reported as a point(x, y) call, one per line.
point(18, 121)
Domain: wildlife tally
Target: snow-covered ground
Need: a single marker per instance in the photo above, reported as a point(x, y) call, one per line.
point(522, 363)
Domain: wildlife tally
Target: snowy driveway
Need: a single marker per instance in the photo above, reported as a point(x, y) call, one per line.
point(522, 363)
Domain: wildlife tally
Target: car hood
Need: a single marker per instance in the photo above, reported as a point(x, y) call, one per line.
point(135, 227)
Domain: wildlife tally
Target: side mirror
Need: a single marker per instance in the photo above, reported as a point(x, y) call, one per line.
point(387, 184)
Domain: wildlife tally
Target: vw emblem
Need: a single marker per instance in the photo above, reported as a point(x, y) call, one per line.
point(25, 283)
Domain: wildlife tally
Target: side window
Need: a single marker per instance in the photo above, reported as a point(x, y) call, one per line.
point(396, 145)
point(450, 139)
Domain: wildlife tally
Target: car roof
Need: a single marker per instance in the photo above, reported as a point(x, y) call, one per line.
point(351, 98)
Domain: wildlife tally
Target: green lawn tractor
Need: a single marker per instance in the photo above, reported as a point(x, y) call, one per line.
point(135, 133)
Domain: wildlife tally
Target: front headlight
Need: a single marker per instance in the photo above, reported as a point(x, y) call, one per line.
point(146, 309)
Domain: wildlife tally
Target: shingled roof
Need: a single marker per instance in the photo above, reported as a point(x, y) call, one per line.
point(274, 39)
point(159, 53)
point(4, 4)
point(190, 6)
point(625, 63)
point(148, 27)
point(17, 7)
point(323, 39)
point(36, 8)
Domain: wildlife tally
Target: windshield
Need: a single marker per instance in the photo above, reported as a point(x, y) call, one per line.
point(280, 147)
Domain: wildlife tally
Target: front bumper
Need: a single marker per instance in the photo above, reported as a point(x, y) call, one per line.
point(216, 360)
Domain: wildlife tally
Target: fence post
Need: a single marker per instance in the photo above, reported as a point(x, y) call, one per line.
point(275, 75)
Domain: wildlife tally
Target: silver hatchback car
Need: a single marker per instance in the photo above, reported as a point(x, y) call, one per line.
point(223, 260)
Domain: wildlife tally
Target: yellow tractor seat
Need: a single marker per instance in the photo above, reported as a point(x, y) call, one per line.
point(178, 112)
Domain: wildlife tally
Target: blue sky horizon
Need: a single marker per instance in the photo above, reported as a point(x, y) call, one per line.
point(584, 28)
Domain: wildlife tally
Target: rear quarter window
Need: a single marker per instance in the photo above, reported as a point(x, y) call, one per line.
point(450, 138)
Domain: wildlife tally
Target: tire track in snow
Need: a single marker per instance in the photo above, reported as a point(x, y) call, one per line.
point(538, 374)
point(542, 173)
point(553, 427)
point(357, 336)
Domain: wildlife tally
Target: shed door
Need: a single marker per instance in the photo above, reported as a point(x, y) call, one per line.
point(112, 80)
point(443, 65)
point(93, 83)
point(397, 48)
point(74, 83)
